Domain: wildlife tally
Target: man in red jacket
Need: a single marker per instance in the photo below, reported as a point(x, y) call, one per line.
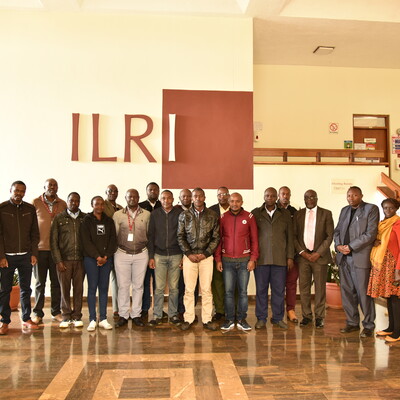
point(235, 256)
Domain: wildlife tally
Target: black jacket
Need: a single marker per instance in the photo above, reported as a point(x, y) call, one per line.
point(65, 241)
point(19, 230)
point(198, 235)
point(147, 206)
point(163, 229)
point(98, 238)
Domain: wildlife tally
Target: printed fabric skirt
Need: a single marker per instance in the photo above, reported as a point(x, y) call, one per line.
point(381, 280)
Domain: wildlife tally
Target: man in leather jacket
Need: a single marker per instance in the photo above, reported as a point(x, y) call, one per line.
point(198, 237)
point(67, 254)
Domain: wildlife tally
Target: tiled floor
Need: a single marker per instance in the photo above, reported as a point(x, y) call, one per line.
point(165, 363)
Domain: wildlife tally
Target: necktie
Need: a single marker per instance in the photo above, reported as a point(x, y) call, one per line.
point(310, 230)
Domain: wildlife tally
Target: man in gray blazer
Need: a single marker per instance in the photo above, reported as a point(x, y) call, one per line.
point(313, 234)
point(354, 236)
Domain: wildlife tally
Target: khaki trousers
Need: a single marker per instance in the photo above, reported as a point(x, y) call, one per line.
point(204, 271)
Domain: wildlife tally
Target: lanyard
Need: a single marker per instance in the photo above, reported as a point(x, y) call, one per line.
point(131, 221)
point(46, 206)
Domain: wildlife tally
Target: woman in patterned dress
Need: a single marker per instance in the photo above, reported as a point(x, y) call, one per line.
point(385, 271)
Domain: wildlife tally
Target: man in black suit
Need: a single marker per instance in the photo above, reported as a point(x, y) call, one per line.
point(313, 234)
point(217, 284)
point(354, 237)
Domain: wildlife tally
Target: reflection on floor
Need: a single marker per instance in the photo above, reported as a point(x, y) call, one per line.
point(165, 363)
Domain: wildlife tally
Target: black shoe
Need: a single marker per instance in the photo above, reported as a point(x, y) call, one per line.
point(319, 323)
point(121, 322)
point(155, 322)
point(367, 333)
point(280, 323)
point(164, 317)
point(138, 322)
point(350, 328)
point(217, 316)
point(212, 326)
point(144, 315)
point(175, 320)
point(261, 324)
point(305, 321)
point(185, 326)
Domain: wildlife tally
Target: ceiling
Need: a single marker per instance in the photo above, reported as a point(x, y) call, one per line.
point(365, 33)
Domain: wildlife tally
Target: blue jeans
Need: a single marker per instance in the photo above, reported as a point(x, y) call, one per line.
point(146, 299)
point(98, 278)
point(24, 267)
point(235, 273)
point(166, 265)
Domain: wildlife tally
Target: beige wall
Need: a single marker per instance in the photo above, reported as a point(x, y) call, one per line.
point(296, 103)
point(56, 64)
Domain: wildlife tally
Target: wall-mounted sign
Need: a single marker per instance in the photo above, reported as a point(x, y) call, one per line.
point(333, 127)
point(395, 145)
point(341, 186)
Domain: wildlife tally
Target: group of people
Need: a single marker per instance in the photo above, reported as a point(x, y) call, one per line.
point(188, 245)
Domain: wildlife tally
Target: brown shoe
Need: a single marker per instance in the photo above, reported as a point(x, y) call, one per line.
point(3, 328)
point(292, 316)
point(29, 324)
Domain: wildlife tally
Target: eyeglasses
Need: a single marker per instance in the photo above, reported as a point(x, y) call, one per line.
point(310, 198)
point(222, 194)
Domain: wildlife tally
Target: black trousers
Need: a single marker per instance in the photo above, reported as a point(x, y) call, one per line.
point(46, 264)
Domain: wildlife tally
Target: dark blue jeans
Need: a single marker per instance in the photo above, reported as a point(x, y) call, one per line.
point(24, 267)
point(235, 273)
point(274, 275)
point(98, 278)
point(146, 299)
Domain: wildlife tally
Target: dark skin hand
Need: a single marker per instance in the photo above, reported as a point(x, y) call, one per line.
point(61, 267)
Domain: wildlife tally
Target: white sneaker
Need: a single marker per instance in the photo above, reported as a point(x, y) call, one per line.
point(77, 323)
point(105, 325)
point(65, 324)
point(92, 326)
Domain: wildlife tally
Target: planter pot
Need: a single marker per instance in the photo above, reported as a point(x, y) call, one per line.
point(14, 298)
point(333, 296)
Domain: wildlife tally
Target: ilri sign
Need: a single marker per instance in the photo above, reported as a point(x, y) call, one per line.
point(128, 138)
point(207, 139)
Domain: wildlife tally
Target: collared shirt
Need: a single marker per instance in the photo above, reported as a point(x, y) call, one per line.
point(49, 203)
point(73, 215)
point(271, 213)
point(198, 212)
point(222, 210)
point(132, 213)
point(305, 236)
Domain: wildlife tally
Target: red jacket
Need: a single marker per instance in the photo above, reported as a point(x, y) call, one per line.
point(239, 236)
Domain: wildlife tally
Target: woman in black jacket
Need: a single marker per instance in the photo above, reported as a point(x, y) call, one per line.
point(99, 242)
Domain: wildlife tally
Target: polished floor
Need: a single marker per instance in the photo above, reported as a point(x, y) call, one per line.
point(165, 363)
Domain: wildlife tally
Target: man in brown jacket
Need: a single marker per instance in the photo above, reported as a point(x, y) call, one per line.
point(47, 206)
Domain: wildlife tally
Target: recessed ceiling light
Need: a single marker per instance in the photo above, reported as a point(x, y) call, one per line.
point(323, 50)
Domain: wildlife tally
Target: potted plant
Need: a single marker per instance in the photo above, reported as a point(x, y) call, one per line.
point(15, 292)
point(333, 295)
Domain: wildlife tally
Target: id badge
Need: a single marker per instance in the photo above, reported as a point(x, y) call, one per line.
point(130, 237)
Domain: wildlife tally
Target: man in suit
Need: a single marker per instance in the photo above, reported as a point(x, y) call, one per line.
point(217, 284)
point(354, 236)
point(276, 253)
point(313, 234)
